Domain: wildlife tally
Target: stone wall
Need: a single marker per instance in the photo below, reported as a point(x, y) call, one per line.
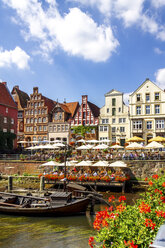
point(136, 169)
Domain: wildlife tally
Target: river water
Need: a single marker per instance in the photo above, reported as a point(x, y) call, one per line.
point(67, 232)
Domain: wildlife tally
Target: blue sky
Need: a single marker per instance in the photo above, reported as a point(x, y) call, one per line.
point(73, 47)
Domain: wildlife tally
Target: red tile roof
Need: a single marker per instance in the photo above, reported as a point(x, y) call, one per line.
point(49, 103)
point(72, 106)
point(5, 96)
point(95, 110)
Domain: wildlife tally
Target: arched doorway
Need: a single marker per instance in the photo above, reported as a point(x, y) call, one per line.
point(149, 136)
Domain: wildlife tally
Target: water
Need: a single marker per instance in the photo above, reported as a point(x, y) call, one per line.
point(67, 232)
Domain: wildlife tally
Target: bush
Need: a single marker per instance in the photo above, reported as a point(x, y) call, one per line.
point(132, 226)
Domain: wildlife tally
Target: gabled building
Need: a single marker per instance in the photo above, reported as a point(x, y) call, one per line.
point(87, 115)
point(21, 98)
point(8, 118)
point(147, 111)
point(37, 115)
point(114, 118)
point(62, 114)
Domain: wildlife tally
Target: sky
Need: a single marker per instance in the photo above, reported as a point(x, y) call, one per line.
point(70, 48)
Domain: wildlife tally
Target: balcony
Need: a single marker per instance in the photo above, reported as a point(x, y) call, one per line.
point(136, 130)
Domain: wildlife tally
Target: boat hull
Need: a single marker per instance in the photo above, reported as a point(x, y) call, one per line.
point(74, 208)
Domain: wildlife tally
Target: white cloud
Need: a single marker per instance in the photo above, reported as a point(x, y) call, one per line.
point(76, 33)
point(158, 3)
point(17, 57)
point(160, 78)
point(158, 50)
point(104, 6)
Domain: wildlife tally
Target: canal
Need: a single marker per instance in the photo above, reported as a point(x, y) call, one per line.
point(67, 232)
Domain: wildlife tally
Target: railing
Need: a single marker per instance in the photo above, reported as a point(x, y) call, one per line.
point(9, 156)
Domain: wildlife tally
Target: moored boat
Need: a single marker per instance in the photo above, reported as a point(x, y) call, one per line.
point(60, 204)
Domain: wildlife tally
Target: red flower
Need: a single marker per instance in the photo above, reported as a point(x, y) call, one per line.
point(122, 198)
point(130, 244)
point(155, 176)
point(160, 213)
point(120, 208)
point(163, 184)
point(163, 199)
point(91, 242)
point(111, 198)
point(146, 179)
point(144, 208)
point(150, 183)
point(149, 223)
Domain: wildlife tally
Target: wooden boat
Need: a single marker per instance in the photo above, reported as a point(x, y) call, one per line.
point(58, 204)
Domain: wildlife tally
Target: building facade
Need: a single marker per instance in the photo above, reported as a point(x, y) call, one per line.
point(59, 127)
point(8, 118)
point(37, 115)
point(21, 99)
point(87, 115)
point(147, 111)
point(114, 118)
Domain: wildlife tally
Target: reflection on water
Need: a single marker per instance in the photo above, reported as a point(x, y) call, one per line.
point(67, 232)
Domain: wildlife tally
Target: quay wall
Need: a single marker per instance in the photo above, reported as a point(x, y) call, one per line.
point(136, 168)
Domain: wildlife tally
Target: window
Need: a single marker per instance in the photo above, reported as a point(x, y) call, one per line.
point(31, 112)
point(122, 129)
point(87, 121)
point(157, 109)
point(40, 128)
point(34, 138)
point(80, 114)
point(83, 105)
point(35, 129)
point(103, 128)
point(159, 124)
point(113, 139)
point(27, 129)
point(58, 128)
point(35, 120)
point(35, 112)
point(20, 115)
point(44, 119)
point(66, 127)
point(55, 128)
point(147, 109)
point(39, 120)
point(147, 97)
point(91, 121)
point(149, 124)
point(27, 120)
point(31, 120)
point(12, 130)
point(60, 116)
point(55, 116)
point(50, 129)
point(122, 120)
point(137, 124)
point(5, 130)
point(45, 128)
point(119, 109)
point(113, 111)
point(107, 110)
point(156, 96)
point(5, 120)
point(105, 121)
point(35, 105)
point(6, 110)
point(113, 101)
point(84, 115)
point(83, 123)
point(138, 98)
point(26, 112)
point(113, 120)
point(62, 127)
point(88, 113)
point(113, 129)
point(138, 110)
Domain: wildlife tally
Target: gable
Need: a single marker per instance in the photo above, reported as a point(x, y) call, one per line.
point(113, 92)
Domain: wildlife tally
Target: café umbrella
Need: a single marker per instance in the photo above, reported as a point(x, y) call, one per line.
point(84, 163)
point(83, 147)
point(135, 139)
point(134, 146)
point(119, 164)
point(103, 146)
point(50, 163)
point(101, 164)
point(154, 145)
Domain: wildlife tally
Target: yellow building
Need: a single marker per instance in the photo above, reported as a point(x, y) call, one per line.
point(114, 118)
point(147, 111)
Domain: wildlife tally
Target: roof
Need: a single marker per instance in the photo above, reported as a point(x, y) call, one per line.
point(23, 97)
point(5, 96)
point(113, 92)
point(95, 110)
point(69, 107)
point(72, 106)
point(49, 103)
point(146, 81)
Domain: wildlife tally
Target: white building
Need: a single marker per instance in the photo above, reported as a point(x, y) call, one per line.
point(114, 118)
point(147, 111)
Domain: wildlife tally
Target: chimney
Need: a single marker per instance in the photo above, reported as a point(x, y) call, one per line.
point(64, 100)
point(4, 83)
point(16, 87)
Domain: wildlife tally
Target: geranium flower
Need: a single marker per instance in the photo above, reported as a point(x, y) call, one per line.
point(122, 198)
